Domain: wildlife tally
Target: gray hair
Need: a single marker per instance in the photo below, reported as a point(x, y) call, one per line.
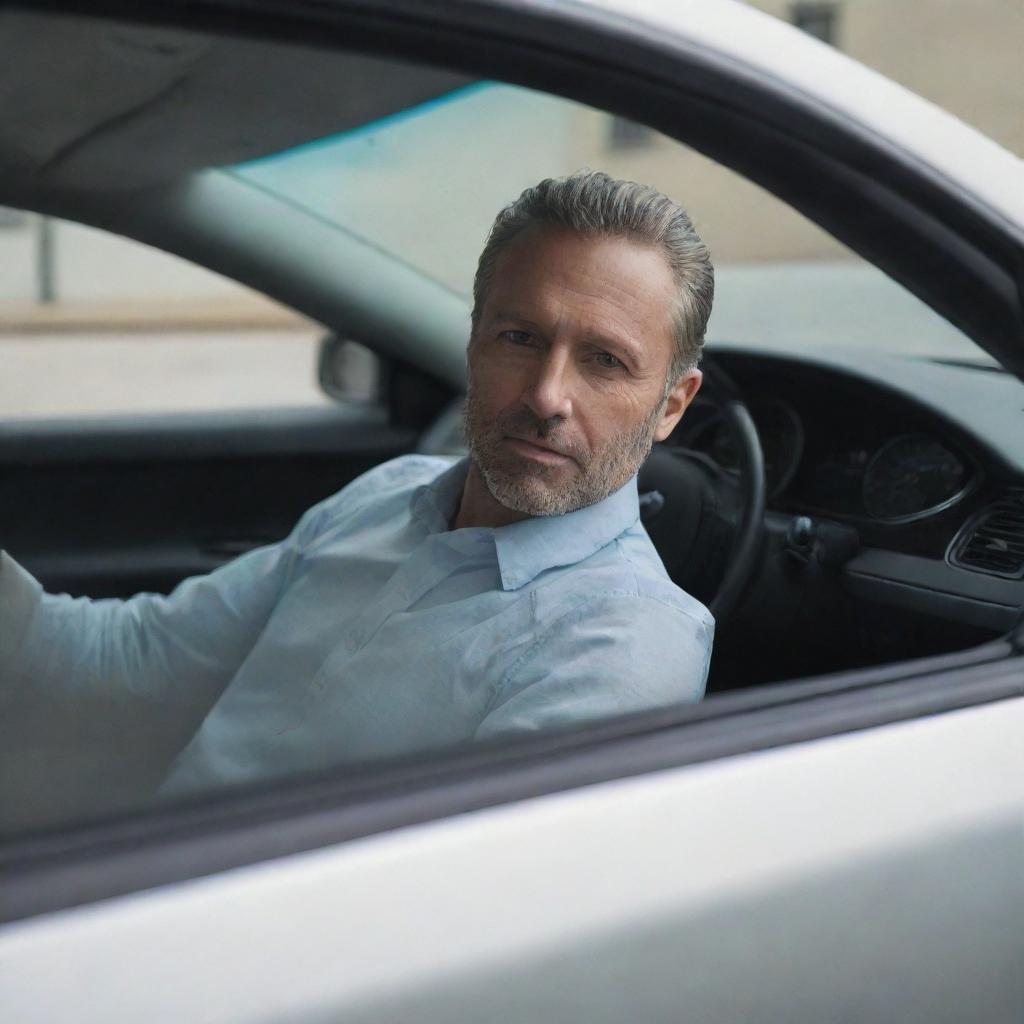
point(593, 203)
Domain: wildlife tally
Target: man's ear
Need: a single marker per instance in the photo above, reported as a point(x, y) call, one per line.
point(679, 398)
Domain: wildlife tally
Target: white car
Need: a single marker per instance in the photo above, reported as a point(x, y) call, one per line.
point(837, 832)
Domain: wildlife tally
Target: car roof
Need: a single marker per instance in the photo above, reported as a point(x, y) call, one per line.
point(153, 103)
point(161, 101)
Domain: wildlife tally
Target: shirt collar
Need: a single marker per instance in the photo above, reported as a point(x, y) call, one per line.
point(436, 503)
point(525, 549)
point(529, 547)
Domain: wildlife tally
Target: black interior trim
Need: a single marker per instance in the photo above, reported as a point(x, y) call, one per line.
point(956, 608)
point(75, 867)
point(354, 429)
point(939, 576)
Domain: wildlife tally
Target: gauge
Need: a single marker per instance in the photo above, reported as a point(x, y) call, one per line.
point(912, 476)
point(782, 440)
point(782, 437)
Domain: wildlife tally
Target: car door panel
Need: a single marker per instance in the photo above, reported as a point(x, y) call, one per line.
point(882, 875)
point(117, 506)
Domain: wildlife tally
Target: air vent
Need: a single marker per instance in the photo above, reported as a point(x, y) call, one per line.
point(993, 541)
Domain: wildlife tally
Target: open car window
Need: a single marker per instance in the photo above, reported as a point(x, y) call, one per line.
point(872, 438)
point(95, 326)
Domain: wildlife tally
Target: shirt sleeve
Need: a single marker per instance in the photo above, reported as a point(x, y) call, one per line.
point(612, 655)
point(178, 651)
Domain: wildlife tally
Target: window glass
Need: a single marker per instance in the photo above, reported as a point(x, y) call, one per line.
point(92, 324)
point(779, 278)
point(98, 325)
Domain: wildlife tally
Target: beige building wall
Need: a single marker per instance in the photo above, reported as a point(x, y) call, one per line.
point(740, 221)
point(966, 56)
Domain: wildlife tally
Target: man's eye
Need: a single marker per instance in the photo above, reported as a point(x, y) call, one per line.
point(517, 337)
point(608, 361)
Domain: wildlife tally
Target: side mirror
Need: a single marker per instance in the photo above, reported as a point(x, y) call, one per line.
point(350, 372)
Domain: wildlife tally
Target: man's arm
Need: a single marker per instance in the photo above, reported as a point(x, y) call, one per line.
point(97, 697)
point(177, 651)
point(611, 655)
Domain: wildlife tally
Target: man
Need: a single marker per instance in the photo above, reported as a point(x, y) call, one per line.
point(433, 602)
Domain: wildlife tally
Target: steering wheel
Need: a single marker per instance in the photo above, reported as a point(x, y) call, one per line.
point(707, 528)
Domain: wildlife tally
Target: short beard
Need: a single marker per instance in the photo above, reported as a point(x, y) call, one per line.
point(535, 489)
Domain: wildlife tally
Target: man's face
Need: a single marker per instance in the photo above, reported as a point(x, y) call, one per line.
point(567, 369)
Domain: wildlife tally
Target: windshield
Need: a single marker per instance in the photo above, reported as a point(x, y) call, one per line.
point(424, 185)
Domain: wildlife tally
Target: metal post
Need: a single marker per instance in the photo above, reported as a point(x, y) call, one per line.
point(46, 277)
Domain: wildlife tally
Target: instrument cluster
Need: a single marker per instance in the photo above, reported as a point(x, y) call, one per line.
point(886, 472)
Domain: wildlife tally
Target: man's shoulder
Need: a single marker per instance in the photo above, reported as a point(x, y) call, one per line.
point(605, 621)
point(626, 581)
point(390, 482)
point(405, 473)
point(631, 567)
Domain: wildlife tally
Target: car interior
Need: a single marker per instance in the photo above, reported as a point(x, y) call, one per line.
point(844, 509)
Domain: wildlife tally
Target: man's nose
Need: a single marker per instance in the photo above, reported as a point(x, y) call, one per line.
point(549, 393)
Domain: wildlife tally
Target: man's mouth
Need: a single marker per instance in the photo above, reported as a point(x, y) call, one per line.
point(538, 452)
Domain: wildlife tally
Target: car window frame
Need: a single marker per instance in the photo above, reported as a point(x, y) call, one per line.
point(73, 866)
point(70, 866)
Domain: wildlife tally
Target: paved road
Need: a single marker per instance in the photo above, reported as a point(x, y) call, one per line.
point(96, 373)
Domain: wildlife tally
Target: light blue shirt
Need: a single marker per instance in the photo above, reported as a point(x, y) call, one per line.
point(372, 631)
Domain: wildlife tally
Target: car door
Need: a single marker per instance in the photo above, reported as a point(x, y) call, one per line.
point(842, 847)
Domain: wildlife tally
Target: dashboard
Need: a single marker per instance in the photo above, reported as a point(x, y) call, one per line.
point(887, 471)
point(921, 461)
point(886, 449)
